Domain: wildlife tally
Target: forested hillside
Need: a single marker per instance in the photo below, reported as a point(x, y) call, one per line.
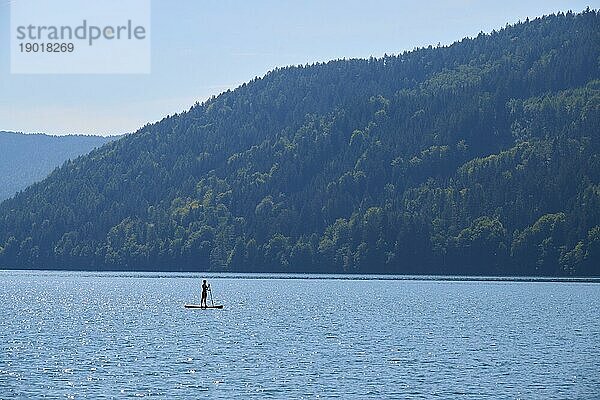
point(481, 157)
point(25, 159)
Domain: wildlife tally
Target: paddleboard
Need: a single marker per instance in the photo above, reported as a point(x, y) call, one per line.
point(198, 306)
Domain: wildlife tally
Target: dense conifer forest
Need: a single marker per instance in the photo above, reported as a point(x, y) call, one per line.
point(477, 158)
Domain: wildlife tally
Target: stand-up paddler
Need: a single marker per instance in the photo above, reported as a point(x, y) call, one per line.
point(205, 289)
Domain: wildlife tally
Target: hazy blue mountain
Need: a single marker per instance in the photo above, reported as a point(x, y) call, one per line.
point(482, 157)
point(25, 159)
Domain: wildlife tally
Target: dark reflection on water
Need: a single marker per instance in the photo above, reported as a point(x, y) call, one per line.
point(68, 334)
point(233, 275)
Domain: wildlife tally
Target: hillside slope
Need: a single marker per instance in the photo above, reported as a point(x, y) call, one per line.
point(477, 158)
point(25, 159)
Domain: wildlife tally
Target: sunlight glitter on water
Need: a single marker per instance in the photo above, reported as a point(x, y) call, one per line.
point(126, 335)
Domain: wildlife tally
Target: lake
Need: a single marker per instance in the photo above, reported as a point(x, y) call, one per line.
point(76, 334)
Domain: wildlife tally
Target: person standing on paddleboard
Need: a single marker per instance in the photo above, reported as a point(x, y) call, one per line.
point(205, 289)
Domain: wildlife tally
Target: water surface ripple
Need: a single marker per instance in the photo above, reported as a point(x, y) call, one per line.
point(82, 335)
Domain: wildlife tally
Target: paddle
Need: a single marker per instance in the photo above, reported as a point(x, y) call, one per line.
point(211, 299)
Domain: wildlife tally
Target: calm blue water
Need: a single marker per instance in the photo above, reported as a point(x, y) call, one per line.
point(89, 335)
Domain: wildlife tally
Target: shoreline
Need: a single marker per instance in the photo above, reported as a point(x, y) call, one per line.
point(300, 276)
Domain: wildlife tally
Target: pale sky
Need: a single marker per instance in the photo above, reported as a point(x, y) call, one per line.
point(203, 47)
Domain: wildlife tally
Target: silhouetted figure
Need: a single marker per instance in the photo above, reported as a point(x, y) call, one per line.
point(205, 289)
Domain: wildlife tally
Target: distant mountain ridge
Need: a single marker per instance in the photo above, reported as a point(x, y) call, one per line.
point(478, 158)
point(29, 158)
